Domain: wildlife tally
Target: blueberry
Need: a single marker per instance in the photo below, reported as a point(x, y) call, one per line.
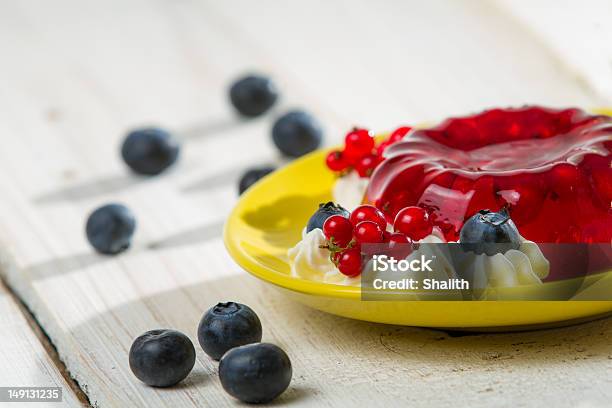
point(325, 211)
point(297, 133)
point(162, 358)
point(253, 95)
point(252, 176)
point(110, 228)
point(490, 233)
point(149, 151)
point(256, 373)
point(228, 325)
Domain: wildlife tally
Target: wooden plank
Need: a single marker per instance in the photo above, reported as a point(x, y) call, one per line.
point(577, 33)
point(78, 76)
point(26, 362)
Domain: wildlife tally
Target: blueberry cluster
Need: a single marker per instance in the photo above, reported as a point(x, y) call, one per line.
point(150, 151)
point(230, 332)
point(294, 133)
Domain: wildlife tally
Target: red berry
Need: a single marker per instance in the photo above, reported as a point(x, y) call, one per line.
point(336, 161)
point(357, 144)
point(386, 236)
point(399, 238)
point(368, 232)
point(338, 230)
point(380, 149)
point(399, 246)
point(349, 262)
point(398, 134)
point(366, 165)
point(414, 222)
point(369, 213)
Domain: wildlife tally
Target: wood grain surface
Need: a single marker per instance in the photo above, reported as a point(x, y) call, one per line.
point(28, 360)
point(77, 75)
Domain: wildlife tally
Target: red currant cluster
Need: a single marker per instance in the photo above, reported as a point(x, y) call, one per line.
point(368, 225)
point(360, 151)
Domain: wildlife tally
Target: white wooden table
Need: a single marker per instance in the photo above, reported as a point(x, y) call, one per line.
point(76, 75)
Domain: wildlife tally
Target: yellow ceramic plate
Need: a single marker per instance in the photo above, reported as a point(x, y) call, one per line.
point(270, 216)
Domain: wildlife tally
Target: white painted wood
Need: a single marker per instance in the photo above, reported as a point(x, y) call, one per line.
point(77, 75)
point(24, 361)
point(578, 34)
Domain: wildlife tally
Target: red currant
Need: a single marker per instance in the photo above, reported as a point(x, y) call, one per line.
point(399, 246)
point(380, 149)
point(338, 230)
point(357, 144)
point(366, 165)
point(368, 213)
point(399, 238)
point(386, 236)
point(394, 137)
point(413, 222)
point(368, 232)
point(349, 262)
point(336, 161)
point(398, 134)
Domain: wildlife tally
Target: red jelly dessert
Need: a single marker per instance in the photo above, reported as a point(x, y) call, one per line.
point(550, 168)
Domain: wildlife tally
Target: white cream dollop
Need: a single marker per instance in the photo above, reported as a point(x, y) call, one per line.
point(517, 267)
point(349, 190)
point(310, 260)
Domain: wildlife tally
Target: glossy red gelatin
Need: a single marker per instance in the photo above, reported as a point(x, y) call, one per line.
point(551, 168)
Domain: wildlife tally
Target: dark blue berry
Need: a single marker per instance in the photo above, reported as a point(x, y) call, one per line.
point(297, 133)
point(228, 325)
point(253, 95)
point(110, 228)
point(252, 176)
point(162, 358)
point(149, 151)
point(325, 211)
point(489, 233)
point(256, 373)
